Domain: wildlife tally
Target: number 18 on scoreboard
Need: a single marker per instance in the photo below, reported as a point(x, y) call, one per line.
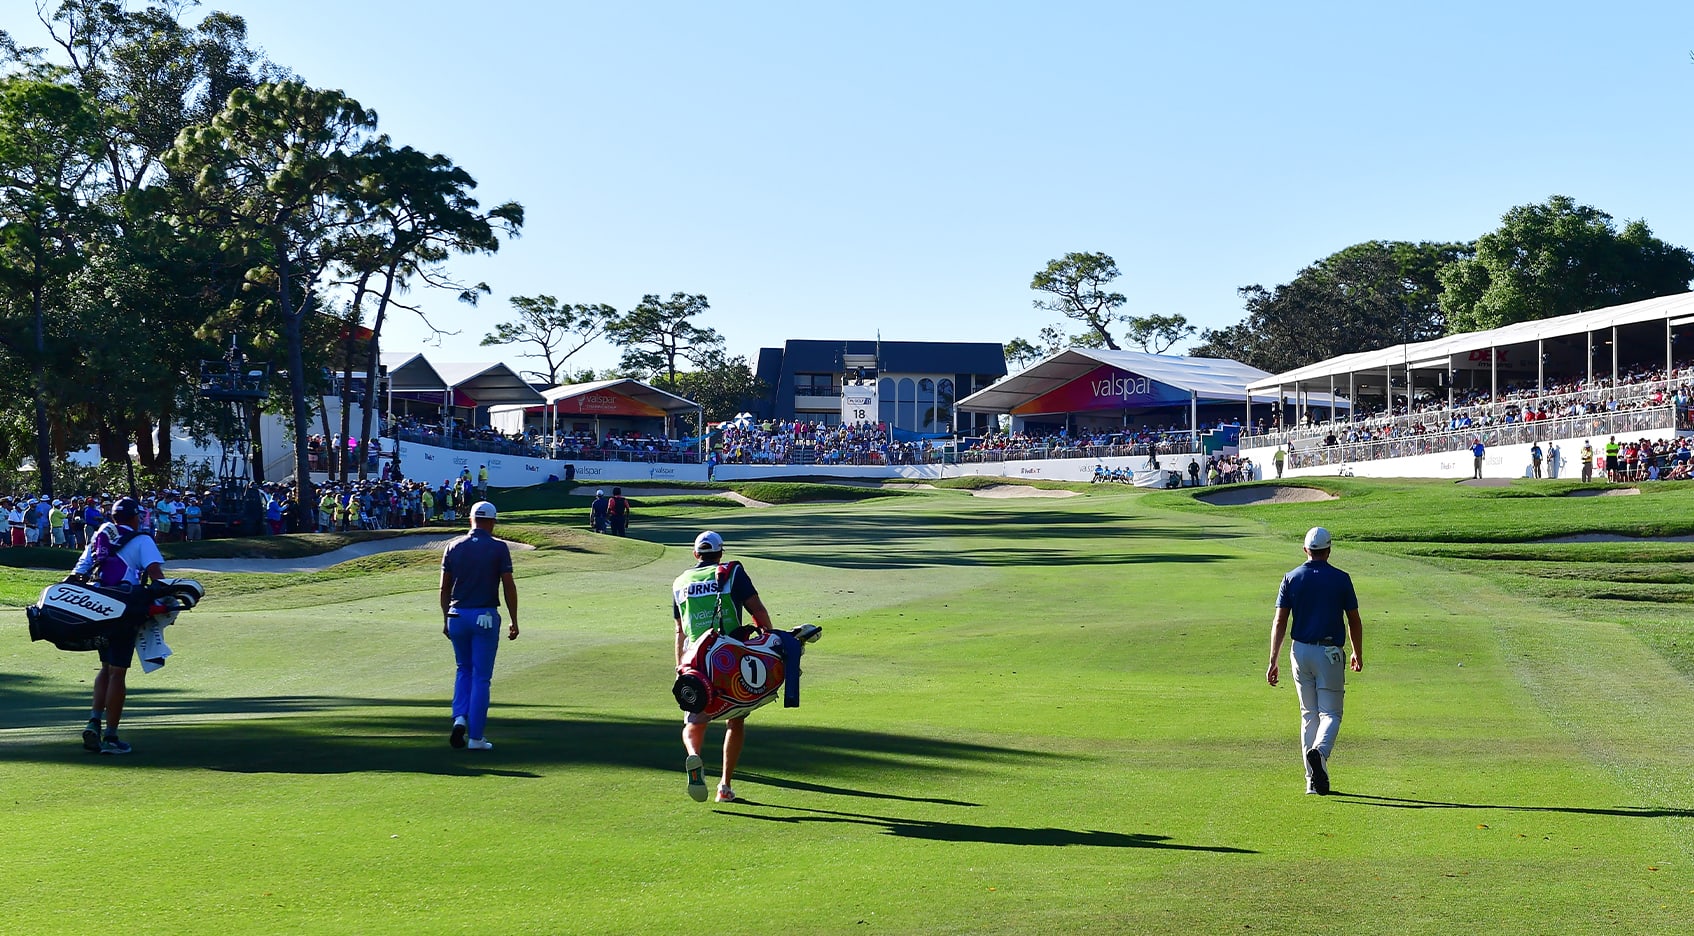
point(858, 404)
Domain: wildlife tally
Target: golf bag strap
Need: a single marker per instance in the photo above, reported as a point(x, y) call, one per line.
point(791, 651)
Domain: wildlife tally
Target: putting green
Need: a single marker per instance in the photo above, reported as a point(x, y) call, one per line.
point(1023, 716)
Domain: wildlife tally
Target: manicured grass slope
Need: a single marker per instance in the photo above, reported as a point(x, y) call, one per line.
point(1024, 716)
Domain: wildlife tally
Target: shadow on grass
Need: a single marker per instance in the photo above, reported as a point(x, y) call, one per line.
point(343, 735)
point(1042, 537)
point(989, 835)
point(805, 787)
point(1396, 802)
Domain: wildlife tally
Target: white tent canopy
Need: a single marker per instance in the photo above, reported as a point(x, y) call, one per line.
point(1440, 353)
point(1208, 380)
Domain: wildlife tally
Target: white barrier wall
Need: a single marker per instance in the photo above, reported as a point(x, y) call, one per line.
point(433, 464)
point(1047, 469)
point(590, 472)
point(1561, 458)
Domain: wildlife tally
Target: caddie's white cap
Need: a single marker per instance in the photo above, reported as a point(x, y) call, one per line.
point(483, 510)
point(708, 542)
point(1317, 538)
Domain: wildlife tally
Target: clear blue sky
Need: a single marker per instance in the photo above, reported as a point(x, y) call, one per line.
point(829, 170)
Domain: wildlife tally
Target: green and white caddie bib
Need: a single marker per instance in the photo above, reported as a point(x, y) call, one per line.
point(703, 598)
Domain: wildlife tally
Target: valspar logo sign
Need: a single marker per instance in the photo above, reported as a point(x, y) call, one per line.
point(1103, 388)
point(1122, 387)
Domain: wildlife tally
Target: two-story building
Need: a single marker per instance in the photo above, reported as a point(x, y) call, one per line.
point(918, 382)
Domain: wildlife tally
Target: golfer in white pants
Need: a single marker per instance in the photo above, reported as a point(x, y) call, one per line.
point(1318, 596)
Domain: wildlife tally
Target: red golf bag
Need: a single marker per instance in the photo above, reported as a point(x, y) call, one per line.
point(729, 675)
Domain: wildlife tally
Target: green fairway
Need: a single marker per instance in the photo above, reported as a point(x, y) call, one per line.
point(1025, 715)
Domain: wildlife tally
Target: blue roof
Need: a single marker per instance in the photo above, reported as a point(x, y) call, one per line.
point(806, 356)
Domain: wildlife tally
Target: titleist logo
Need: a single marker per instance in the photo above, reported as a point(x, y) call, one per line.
point(78, 598)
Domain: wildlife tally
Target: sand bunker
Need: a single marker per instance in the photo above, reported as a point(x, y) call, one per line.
point(744, 500)
point(1604, 492)
point(436, 540)
point(1019, 490)
point(1615, 538)
point(650, 492)
point(1264, 494)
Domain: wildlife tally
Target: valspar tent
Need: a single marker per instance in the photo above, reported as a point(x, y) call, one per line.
point(1083, 380)
point(625, 398)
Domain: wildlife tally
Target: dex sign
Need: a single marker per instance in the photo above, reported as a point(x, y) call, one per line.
point(858, 404)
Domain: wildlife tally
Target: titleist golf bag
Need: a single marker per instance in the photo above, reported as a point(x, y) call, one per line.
point(75, 615)
point(729, 675)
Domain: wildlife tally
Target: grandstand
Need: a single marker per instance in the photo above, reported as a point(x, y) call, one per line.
point(1624, 371)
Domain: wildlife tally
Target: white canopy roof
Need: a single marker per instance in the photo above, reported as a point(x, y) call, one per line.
point(629, 387)
point(1435, 354)
point(1212, 380)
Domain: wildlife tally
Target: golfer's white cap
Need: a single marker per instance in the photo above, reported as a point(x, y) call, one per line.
point(483, 510)
point(600, 493)
point(1317, 538)
point(708, 542)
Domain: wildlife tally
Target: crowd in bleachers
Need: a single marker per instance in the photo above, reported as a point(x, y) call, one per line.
point(1429, 412)
point(1139, 441)
point(1646, 460)
point(787, 442)
point(1428, 424)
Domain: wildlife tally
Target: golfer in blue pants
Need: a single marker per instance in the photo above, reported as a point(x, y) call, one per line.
point(473, 568)
point(475, 633)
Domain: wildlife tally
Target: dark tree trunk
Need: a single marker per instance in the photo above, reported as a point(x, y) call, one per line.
point(294, 334)
point(373, 360)
point(346, 410)
point(43, 449)
point(327, 463)
point(114, 444)
point(165, 437)
point(143, 431)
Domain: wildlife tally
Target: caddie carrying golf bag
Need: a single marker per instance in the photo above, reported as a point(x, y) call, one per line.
point(729, 675)
point(76, 615)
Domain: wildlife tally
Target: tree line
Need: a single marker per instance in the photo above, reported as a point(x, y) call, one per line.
point(1544, 260)
point(165, 188)
point(661, 340)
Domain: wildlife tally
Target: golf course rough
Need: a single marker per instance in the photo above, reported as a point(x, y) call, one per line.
point(1031, 715)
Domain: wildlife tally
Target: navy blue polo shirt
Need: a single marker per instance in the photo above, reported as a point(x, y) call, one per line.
point(1318, 594)
point(476, 561)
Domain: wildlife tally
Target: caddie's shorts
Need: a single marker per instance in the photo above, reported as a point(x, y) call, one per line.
point(120, 648)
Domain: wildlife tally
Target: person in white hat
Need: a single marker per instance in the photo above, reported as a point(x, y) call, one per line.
point(1318, 596)
point(474, 568)
point(710, 596)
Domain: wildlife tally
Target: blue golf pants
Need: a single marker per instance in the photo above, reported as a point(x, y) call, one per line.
point(475, 633)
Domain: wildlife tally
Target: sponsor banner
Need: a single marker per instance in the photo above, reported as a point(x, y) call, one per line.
point(1104, 388)
point(434, 465)
point(1484, 358)
point(604, 403)
point(858, 404)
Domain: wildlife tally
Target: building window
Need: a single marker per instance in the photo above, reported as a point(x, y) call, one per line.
point(885, 401)
point(905, 413)
point(816, 385)
point(942, 414)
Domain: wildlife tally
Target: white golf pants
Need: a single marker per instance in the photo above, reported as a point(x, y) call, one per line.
point(1320, 675)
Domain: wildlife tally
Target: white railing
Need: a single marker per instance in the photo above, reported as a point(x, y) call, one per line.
point(1596, 425)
